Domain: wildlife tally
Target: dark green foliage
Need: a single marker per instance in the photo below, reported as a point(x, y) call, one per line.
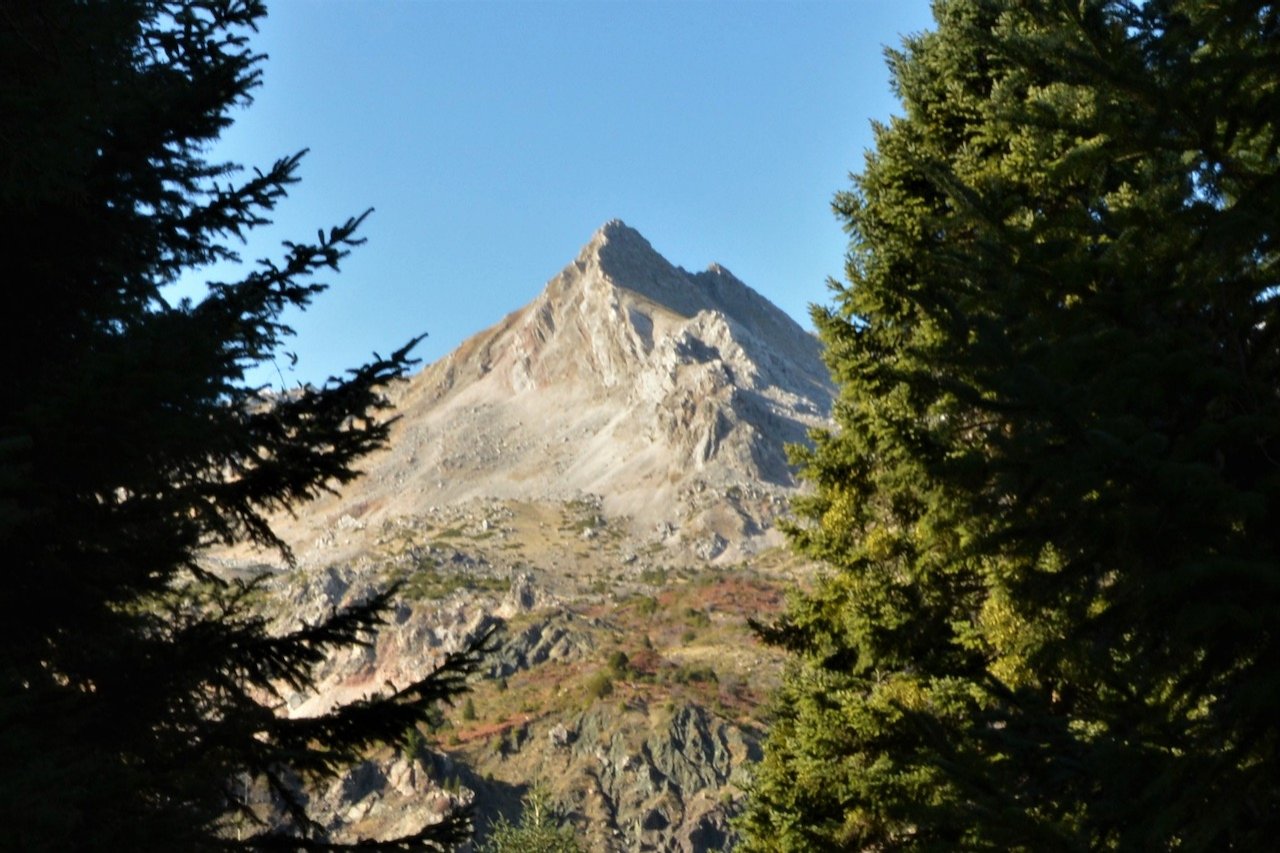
point(540, 830)
point(619, 664)
point(1050, 512)
point(137, 691)
point(599, 685)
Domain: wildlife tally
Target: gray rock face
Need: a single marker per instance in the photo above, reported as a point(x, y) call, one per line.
point(552, 639)
point(656, 791)
point(628, 378)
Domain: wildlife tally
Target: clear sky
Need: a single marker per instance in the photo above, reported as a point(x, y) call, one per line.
point(493, 138)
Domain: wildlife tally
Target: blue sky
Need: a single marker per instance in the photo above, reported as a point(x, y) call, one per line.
point(493, 138)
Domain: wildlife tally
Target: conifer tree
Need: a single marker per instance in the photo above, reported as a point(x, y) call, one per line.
point(139, 693)
point(1050, 510)
point(542, 829)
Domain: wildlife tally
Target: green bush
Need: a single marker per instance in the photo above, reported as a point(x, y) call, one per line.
point(646, 605)
point(599, 685)
point(619, 663)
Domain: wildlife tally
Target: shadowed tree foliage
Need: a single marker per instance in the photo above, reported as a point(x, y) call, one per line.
point(1049, 514)
point(139, 693)
point(542, 829)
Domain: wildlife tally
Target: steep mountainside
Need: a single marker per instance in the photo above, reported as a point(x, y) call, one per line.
point(627, 378)
point(601, 472)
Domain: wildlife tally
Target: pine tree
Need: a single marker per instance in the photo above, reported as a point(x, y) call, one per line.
point(139, 692)
point(541, 829)
point(1050, 510)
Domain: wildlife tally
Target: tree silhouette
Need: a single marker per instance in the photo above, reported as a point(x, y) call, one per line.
point(138, 691)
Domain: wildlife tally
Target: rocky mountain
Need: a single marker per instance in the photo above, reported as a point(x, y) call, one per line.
point(627, 378)
point(602, 471)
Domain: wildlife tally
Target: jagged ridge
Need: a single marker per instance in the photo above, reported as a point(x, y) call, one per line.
point(628, 378)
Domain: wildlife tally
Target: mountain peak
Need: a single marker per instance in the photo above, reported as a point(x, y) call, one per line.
point(621, 257)
point(621, 251)
point(616, 229)
point(629, 378)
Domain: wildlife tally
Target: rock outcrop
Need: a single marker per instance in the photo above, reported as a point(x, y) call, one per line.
point(627, 378)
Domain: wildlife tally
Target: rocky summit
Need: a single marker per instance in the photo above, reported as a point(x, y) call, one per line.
point(603, 472)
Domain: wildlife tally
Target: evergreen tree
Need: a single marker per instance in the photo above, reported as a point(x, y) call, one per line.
point(138, 692)
point(540, 829)
point(1050, 617)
